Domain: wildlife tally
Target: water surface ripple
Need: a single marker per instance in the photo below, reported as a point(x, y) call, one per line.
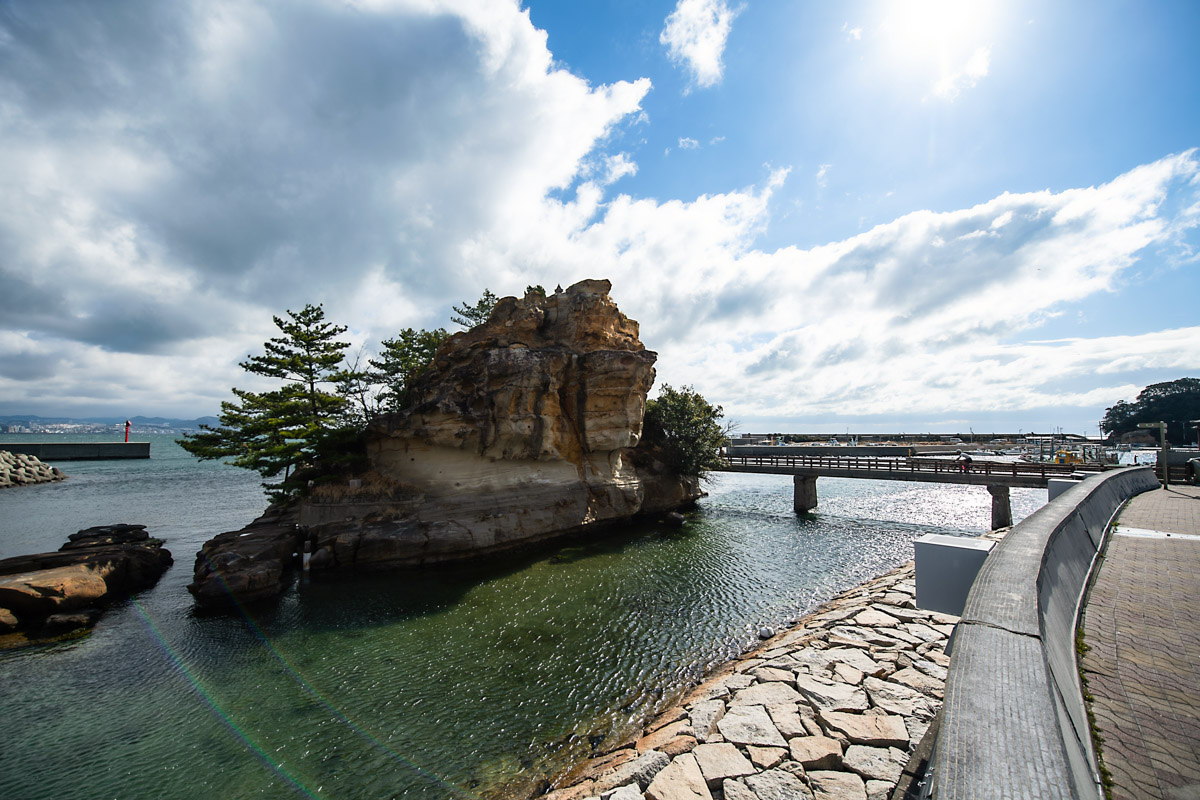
point(440, 684)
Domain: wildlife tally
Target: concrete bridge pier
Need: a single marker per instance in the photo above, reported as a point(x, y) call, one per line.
point(804, 493)
point(1001, 507)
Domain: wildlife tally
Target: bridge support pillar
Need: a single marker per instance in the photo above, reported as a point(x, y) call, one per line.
point(1001, 507)
point(804, 496)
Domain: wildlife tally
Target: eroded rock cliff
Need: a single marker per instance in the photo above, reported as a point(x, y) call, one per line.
point(524, 428)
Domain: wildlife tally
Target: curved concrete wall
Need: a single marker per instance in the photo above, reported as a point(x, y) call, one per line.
point(1014, 723)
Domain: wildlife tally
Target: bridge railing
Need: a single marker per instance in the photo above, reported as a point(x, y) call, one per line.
point(917, 464)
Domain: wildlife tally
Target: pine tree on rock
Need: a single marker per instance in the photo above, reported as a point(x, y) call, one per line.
point(401, 359)
point(470, 316)
point(276, 432)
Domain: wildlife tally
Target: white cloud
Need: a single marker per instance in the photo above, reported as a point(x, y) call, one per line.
point(688, 143)
point(852, 34)
point(617, 167)
point(930, 312)
point(154, 215)
point(952, 82)
point(822, 172)
point(695, 34)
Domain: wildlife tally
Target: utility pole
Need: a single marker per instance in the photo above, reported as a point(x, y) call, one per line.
point(1162, 458)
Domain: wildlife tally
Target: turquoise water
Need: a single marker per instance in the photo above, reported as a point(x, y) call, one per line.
point(442, 684)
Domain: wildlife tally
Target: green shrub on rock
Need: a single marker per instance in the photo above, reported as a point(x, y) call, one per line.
point(688, 428)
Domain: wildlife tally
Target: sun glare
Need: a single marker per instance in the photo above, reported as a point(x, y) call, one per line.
point(944, 42)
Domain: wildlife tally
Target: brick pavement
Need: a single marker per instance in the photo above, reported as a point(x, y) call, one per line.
point(1142, 624)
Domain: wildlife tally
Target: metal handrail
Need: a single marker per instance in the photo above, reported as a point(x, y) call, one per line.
point(911, 464)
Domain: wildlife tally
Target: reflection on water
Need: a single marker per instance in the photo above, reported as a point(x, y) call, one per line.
point(439, 684)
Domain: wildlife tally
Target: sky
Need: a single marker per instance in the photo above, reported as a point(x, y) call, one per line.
point(826, 217)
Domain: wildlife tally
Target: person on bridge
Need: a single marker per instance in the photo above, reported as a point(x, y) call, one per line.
point(964, 461)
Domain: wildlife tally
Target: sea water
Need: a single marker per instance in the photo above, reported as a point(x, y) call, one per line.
point(470, 682)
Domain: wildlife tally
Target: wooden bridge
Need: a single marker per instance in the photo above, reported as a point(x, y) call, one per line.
point(997, 476)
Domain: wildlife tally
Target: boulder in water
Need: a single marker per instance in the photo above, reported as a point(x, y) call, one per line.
point(47, 594)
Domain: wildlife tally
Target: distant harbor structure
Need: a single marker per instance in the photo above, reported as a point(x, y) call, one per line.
point(79, 451)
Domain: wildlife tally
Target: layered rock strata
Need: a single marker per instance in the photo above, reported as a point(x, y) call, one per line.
point(526, 427)
point(829, 710)
point(18, 469)
point(250, 564)
point(49, 594)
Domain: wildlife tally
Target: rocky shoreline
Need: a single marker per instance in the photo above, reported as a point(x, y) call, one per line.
point(48, 595)
point(18, 469)
point(831, 709)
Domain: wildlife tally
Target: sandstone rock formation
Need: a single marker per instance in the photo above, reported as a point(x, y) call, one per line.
point(48, 594)
point(19, 469)
point(525, 427)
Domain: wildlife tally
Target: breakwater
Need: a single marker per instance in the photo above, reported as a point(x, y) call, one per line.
point(80, 451)
point(21, 469)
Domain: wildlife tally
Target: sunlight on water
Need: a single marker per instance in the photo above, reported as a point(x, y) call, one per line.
point(440, 684)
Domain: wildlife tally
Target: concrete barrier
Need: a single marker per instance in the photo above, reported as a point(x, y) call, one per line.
point(1014, 724)
point(79, 451)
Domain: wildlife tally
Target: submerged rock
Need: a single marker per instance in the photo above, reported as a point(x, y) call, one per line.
point(524, 428)
point(48, 594)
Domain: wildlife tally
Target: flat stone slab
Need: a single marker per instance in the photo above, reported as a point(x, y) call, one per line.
point(750, 725)
point(704, 716)
point(816, 752)
point(768, 674)
point(680, 780)
point(641, 770)
point(777, 784)
point(787, 720)
point(837, 786)
point(766, 757)
point(874, 618)
point(875, 763)
point(734, 790)
point(720, 761)
point(869, 729)
point(630, 792)
point(915, 679)
point(766, 694)
point(898, 699)
point(664, 735)
point(853, 657)
point(830, 696)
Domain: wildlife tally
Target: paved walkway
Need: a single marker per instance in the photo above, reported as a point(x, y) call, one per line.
point(1142, 624)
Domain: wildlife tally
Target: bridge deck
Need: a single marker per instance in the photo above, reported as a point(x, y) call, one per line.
point(929, 470)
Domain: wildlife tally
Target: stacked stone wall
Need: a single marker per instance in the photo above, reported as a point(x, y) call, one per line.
point(832, 709)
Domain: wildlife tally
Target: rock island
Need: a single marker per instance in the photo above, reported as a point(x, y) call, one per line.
point(524, 428)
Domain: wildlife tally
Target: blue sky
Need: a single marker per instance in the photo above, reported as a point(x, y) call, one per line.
point(864, 216)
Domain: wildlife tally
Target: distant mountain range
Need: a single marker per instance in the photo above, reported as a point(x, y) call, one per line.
point(164, 422)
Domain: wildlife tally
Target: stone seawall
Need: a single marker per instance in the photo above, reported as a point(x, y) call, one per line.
point(831, 709)
point(19, 469)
